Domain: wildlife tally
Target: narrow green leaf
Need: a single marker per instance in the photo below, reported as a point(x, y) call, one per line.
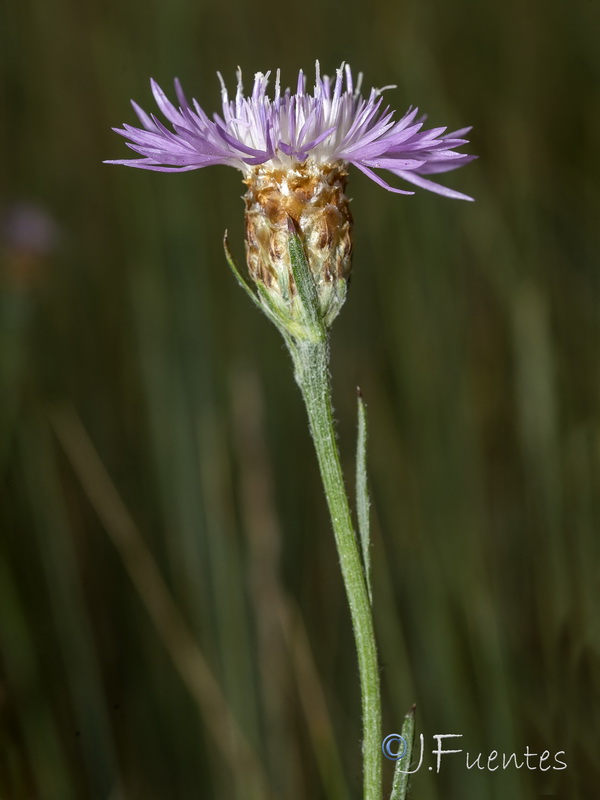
point(237, 274)
point(401, 780)
point(362, 492)
point(305, 283)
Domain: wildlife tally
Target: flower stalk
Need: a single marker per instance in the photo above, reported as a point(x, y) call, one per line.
point(307, 339)
point(311, 362)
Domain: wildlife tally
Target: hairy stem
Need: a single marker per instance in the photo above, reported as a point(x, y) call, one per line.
point(311, 361)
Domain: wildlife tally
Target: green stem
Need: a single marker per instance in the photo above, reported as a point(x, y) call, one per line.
point(311, 361)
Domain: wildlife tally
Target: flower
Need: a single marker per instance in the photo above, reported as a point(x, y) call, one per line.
point(27, 227)
point(294, 151)
point(334, 124)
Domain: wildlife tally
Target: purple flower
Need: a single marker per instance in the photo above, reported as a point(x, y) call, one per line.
point(334, 125)
point(28, 228)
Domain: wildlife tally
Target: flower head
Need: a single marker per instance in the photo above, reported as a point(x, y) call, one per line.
point(333, 124)
point(294, 151)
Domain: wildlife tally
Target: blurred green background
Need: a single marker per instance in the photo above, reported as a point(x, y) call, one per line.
point(172, 618)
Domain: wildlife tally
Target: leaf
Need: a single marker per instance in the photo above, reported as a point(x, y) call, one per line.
point(305, 283)
point(362, 492)
point(236, 272)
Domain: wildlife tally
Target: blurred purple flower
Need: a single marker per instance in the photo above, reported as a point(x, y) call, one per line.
point(334, 125)
point(27, 227)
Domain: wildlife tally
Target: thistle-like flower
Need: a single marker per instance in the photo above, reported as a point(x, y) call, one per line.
point(294, 151)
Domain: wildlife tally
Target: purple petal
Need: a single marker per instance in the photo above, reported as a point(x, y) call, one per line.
point(394, 163)
point(140, 163)
point(433, 167)
point(319, 139)
point(163, 102)
point(143, 117)
point(181, 98)
point(460, 132)
point(374, 177)
point(423, 183)
point(243, 148)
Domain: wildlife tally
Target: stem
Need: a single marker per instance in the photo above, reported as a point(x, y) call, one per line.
point(311, 361)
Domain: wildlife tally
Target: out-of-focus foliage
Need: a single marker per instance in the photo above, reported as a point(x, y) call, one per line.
point(172, 620)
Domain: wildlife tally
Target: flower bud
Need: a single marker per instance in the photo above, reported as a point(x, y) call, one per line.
point(309, 199)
